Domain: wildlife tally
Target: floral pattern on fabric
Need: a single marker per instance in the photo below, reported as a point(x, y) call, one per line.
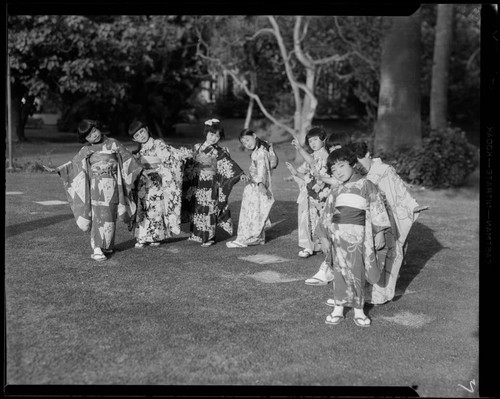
point(311, 200)
point(160, 191)
point(100, 191)
point(208, 180)
point(353, 253)
point(255, 206)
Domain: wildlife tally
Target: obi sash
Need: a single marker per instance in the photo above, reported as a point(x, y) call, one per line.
point(351, 209)
point(103, 163)
point(349, 215)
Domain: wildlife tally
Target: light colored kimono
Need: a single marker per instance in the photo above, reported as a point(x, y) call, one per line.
point(400, 206)
point(354, 213)
point(159, 191)
point(311, 199)
point(99, 182)
point(255, 206)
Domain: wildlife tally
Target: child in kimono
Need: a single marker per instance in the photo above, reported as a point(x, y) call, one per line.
point(99, 182)
point(313, 192)
point(354, 222)
point(257, 197)
point(403, 210)
point(208, 180)
point(160, 187)
point(335, 140)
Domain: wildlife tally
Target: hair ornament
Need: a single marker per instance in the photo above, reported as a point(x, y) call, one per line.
point(210, 121)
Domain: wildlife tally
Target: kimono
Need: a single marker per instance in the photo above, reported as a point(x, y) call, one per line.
point(311, 200)
point(354, 213)
point(400, 206)
point(99, 182)
point(208, 180)
point(255, 206)
point(159, 191)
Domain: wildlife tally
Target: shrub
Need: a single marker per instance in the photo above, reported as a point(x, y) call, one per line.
point(445, 160)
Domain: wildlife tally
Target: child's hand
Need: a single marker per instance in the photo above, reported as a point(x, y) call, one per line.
point(379, 240)
point(420, 208)
point(244, 178)
point(290, 167)
point(49, 169)
point(296, 144)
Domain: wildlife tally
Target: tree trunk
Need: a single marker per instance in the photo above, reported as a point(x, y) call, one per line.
point(17, 112)
point(442, 51)
point(398, 123)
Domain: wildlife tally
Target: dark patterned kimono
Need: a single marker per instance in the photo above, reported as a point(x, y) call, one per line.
point(99, 182)
point(208, 180)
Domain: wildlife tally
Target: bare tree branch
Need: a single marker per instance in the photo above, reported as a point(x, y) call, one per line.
point(355, 50)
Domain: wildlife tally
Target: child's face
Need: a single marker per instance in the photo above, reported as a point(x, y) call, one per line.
point(342, 171)
point(212, 138)
point(94, 136)
point(141, 136)
point(249, 142)
point(315, 143)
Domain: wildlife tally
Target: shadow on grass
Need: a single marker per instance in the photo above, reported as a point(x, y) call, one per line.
point(422, 246)
point(24, 227)
point(284, 213)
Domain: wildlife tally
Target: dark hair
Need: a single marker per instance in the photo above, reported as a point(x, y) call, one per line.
point(85, 127)
point(359, 149)
point(341, 138)
point(338, 155)
point(215, 126)
point(316, 131)
point(258, 142)
point(136, 126)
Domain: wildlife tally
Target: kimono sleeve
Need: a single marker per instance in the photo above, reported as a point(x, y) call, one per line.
point(76, 182)
point(378, 213)
point(263, 167)
point(400, 202)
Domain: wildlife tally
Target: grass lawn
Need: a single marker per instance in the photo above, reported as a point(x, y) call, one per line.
point(184, 315)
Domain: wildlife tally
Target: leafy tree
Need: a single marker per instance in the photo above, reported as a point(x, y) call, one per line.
point(91, 63)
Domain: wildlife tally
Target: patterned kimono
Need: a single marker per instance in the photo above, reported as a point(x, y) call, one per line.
point(208, 180)
point(99, 181)
point(159, 191)
point(354, 213)
point(255, 206)
point(400, 205)
point(311, 200)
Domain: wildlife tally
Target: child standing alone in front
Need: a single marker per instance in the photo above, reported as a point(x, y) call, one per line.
point(354, 222)
point(313, 192)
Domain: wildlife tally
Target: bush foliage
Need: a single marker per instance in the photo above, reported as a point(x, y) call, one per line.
point(445, 160)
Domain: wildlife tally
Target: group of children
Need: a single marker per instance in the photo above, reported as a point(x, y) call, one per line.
point(352, 208)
